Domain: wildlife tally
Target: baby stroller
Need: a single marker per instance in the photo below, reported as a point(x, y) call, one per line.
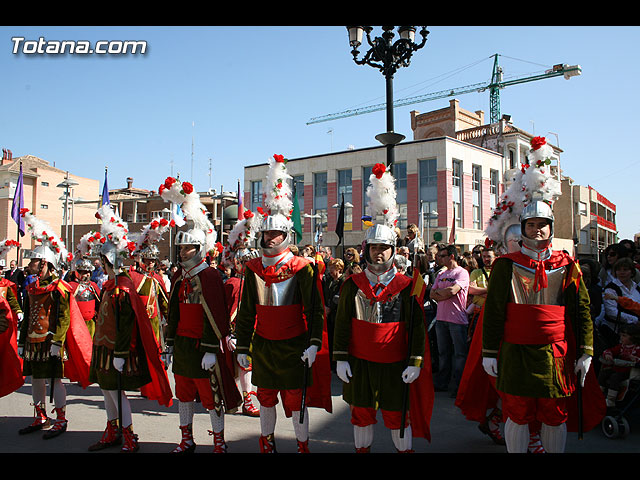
point(615, 425)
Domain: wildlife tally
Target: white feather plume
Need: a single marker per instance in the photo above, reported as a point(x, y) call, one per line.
point(381, 195)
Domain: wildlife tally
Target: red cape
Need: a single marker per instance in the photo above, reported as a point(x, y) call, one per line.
point(319, 392)
point(421, 393)
point(10, 362)
point(159, 389)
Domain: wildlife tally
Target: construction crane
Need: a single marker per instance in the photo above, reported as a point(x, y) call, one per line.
point(494, 87)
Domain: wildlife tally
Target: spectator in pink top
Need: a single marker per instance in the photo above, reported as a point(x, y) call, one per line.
point(450, 290)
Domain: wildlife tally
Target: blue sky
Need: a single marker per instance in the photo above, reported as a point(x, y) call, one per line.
point(242, 94)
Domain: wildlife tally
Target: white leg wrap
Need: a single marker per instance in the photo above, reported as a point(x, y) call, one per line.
point(553, 438)
point(516, 436)
point(39, 390)
point(267, 420)
point(217, 421)
point(126, 407)
point(185, 413)
point(301, 429)
point(363, 436)
point(402, 444)
point(59, 393)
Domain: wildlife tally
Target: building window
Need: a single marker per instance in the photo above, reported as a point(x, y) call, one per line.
point(493, 188)
point(457, 192)
point(141, 217)
point(320, 200)
point(256, 194)
point(512, 159)
point(366, 173)
point(44, 206)
point(44, 184)
point(345, 192)
point(400, 173)
point(428, 181)
point(156, 214)
point(476, 192)
point(581, 208)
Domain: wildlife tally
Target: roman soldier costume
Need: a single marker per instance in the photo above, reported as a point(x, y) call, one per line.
point(54, 340)
point(85, 291)
point(237, 252)
point(537, 330)
point(375, 357)
point(280, 324)
point(126, 355)
point(198, 324)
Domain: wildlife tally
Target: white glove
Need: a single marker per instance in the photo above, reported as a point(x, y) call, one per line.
point(231, 343)
point(582, 366)
point(20, 351)
point(208, 361)
point(410, 374)
point(243, 360)
point(309, 354)
point(343, 370)
point(20, 316)
point(118, 364)
point(490, 366)
point(55, 350)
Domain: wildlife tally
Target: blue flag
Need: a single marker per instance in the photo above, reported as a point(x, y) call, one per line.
point(105, 189)
point(18, 205)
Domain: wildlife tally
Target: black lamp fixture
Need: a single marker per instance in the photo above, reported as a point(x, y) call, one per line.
point(387, 56)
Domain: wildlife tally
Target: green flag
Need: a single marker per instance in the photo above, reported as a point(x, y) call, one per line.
point(295, 214)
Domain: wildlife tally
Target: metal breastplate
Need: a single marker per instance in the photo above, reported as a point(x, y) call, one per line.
point(40, 310)
point(84, 293)
point(522, 291)
point(378, 312)
point(278, 294)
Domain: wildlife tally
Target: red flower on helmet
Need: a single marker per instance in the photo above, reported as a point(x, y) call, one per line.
point(164, 222)
point(187, 188)
point(155, 224)
point(247, 214)
point(169, 181)
point(537, 142)
point(23, 211)
point(279, 158)
point(378, 170)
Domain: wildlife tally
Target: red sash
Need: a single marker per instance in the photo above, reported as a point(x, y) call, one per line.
point(280, 322)
point(394, 286)
point(191, 320)
point(378, 342)
point(534, 324)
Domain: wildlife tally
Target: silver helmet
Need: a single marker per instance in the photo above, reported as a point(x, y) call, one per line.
point(379, 234)
point(43, 252)
point(280, 223)
point(195, 237)
point(83, 264)
point(537, 209)
point(512, 237)
point(149, 252)
point(112, 254)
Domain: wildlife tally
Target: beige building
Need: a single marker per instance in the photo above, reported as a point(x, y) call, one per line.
point(587, 216)
point(44, 198)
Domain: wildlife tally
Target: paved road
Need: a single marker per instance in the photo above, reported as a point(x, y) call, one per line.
point(158, 431)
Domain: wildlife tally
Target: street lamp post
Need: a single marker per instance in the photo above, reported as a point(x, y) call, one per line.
point(67, 183)
point(387, 56)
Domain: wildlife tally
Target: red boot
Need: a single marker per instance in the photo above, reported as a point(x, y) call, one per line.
point(40, 420)
point(110, 437)
point(59, 425)
point(219, 445)
point(268, 444)
point(187, 445)
point(303, 447)
point(130, 440)
point(248, 408)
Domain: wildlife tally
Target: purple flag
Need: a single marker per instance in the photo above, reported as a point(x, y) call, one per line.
point(105, 189)
point(18, 205)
